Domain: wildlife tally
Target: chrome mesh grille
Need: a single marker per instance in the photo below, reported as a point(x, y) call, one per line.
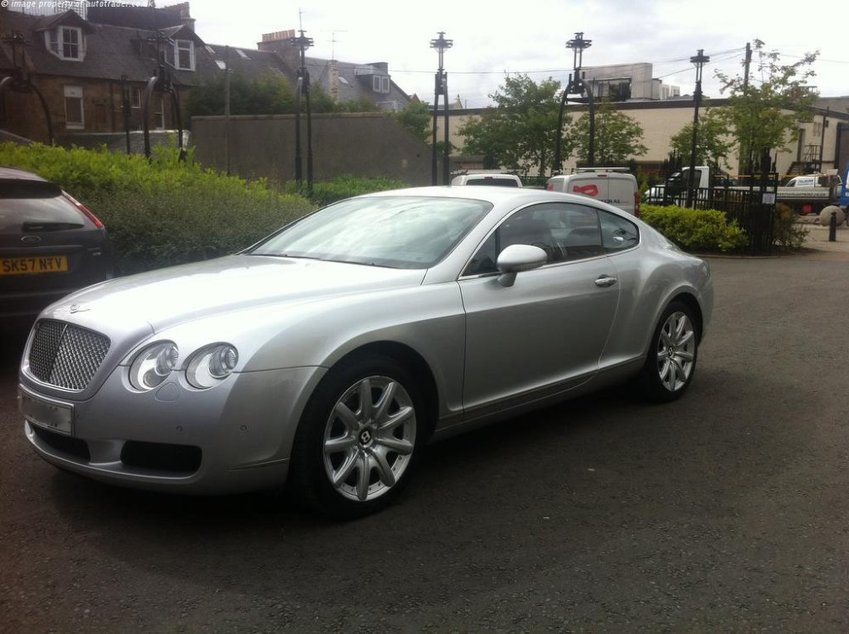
point(65, 355)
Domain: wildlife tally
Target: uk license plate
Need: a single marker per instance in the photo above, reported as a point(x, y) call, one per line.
point(35, 264)
point(46, 413)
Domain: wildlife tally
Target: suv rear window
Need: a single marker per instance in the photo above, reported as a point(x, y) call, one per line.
point(17, 188)
point(19, 213)
point(504, 182)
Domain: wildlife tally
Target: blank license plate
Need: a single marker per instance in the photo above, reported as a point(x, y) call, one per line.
point(28, 265)
point(50, 415)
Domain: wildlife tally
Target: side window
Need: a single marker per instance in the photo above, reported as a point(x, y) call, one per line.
point(617, 233)
point(581, 237)
point(484, 260)
point(563, 230)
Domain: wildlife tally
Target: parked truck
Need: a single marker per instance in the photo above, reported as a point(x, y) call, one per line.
point(805, 194)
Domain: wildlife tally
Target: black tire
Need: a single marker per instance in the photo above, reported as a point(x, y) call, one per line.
point(671, 359)
point(375, 450)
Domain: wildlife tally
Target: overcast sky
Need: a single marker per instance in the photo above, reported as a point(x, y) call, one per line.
point(495, 38)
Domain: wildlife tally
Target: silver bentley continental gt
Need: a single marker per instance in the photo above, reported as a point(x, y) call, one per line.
point(328, 353)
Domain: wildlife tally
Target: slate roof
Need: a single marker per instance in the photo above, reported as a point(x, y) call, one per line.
point(115, 49)
point(134, 17)
point(251, 64)
point(355, 81)
point(111, 51)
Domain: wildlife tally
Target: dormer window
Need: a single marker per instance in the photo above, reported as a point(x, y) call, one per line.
point(380, 84)
point(184, 54)
point(66, 42)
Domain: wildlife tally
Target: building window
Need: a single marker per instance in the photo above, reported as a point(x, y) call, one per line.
point(184, 54)
point(135, 97)
point(380, 84)
point(74, 113)
point(66, 42)
point(158, 113)
point(612, 89)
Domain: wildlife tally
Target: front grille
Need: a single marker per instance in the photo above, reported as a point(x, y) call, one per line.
point(66, 356)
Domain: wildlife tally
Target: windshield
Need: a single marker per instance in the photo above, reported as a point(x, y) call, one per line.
point(407, 232)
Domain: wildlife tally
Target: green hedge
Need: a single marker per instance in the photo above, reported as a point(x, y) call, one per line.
point(161, 212)
point(327, 192)
point(695, 229)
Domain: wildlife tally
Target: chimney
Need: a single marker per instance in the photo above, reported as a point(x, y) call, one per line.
point(334, 80)
point(280, 42)
point(186, 18)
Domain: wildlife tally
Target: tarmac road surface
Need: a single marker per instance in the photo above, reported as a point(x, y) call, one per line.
point(724, 511)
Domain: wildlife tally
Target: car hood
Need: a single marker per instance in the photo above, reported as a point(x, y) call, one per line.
point(174, 295)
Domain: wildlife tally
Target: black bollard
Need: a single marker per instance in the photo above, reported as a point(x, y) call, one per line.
point(832, 227)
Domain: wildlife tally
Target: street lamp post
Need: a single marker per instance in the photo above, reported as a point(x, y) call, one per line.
point(440, 88)
point(699, 60)
point(576, 85)
point(302, 43)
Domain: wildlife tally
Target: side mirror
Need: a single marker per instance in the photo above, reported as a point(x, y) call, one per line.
point(517, 258)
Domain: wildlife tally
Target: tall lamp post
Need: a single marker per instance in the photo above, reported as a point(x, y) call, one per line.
point(575, 86)
point(20, 80)
point(303, 43)
point(699, 60)
point(440, 87)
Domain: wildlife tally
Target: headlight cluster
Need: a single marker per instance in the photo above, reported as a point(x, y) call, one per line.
point(205, 367)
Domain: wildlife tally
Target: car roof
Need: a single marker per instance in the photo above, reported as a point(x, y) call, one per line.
point(494, 194)
point(12, 173)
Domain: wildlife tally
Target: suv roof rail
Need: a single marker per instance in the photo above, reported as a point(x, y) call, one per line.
point(603, 169)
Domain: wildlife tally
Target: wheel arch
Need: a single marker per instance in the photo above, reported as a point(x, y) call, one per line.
point(690, 301)
point(411, 360)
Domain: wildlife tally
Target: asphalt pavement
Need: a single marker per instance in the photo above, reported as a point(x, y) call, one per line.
point(725, 511)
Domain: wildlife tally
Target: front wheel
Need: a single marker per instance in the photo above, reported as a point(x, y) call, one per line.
point(671, 360)
point(358, 439)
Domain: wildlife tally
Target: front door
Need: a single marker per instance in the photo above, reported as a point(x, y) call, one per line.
point(548, 329)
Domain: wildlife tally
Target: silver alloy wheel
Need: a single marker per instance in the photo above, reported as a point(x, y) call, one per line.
point(676, 351)
point(369, 438)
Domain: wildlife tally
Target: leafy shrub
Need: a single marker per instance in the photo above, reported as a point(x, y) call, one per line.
point(164, 211)
point(327, 192)
point(695, 229)
point(786, 233)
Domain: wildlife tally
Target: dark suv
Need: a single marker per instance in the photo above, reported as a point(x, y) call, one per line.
point(50, 245)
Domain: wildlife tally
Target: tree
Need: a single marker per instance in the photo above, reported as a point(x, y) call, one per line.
point(767, 110)
point(618, 137)
point(520, 131)
point(415, 117)
point(713, 143)
point(266, 95)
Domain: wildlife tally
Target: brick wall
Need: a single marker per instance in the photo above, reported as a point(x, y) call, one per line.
point(102, 108)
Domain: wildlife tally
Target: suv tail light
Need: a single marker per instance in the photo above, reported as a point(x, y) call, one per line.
point(637, 203)
point(84, 210)
point(549, 186)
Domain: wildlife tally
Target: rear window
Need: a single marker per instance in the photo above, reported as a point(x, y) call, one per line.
point(504, 182)
point(28, 214)
point(17, 188)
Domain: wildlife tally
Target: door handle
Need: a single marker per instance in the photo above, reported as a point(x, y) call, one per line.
point(605, 281)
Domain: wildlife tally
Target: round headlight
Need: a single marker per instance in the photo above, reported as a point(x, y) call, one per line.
point(210, 365)
point(153, 365)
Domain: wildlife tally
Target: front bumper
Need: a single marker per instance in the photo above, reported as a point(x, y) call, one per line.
point(234, 437)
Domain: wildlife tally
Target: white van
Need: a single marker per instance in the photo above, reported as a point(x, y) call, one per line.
point(609, 185)
point(488, 178)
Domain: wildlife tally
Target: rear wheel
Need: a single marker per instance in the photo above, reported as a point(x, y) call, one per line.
point(671, 360)
point(358, 439)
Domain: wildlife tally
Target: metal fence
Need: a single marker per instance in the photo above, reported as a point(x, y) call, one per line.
point(744, 205)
